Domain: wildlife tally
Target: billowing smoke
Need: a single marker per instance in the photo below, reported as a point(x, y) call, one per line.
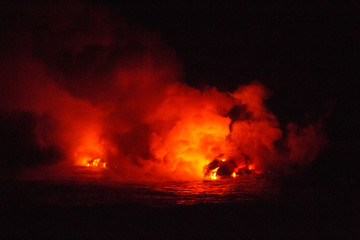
point(78, 84)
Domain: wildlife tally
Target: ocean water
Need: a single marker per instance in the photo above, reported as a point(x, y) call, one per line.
point(85, 203)
point(89, 187)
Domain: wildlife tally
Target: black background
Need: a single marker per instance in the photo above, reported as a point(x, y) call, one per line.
point(306, 54)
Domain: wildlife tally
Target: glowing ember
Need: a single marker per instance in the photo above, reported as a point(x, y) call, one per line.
point(213, 174)
point(98, 162)
point(224, 168)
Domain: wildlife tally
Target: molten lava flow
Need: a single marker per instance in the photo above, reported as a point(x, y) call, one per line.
point(213, 173)
point(221, 167)
point(98, 162)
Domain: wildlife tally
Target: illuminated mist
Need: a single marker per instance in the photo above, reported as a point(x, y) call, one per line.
point(96, 92)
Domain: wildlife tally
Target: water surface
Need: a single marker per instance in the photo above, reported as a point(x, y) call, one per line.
point(86, 186)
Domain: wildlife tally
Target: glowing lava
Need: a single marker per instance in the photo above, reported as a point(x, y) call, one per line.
point(213, 174)
point(96, 163)
point(222, 168)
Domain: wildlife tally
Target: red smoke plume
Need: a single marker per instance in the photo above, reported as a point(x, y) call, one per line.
point(105, 91)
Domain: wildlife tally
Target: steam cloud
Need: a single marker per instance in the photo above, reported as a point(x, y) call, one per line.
point(78, 83)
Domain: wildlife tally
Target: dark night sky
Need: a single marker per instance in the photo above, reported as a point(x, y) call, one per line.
point(307, 54)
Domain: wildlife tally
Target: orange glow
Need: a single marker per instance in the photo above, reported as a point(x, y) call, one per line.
point(213, 174)
point(197, 135)
point(185, 131)
point(251, 167)
point(96, 163)
point(101, 101)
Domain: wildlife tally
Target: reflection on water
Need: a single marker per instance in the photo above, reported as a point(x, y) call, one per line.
point(242, 188)
point(84, 186)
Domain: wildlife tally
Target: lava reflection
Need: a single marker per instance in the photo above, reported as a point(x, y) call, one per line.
point(89, 186)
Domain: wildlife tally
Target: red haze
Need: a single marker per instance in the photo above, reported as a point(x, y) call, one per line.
point(115, 93)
